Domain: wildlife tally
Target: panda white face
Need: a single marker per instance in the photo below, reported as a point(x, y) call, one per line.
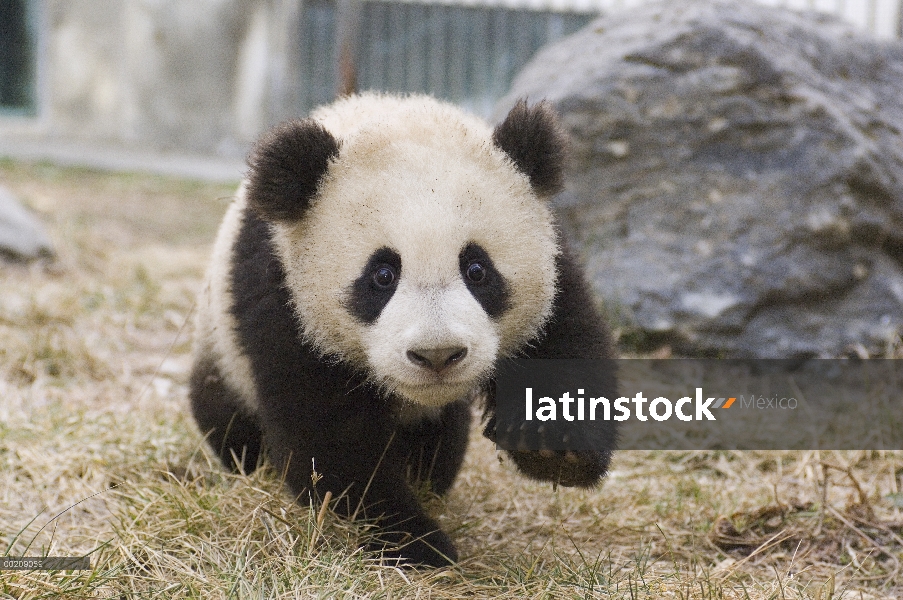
point(432, 340)
point(425, 254)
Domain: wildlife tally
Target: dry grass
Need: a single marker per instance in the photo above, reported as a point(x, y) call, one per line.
point(99, 454)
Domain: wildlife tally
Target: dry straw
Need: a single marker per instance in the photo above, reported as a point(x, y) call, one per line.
point(98, 455)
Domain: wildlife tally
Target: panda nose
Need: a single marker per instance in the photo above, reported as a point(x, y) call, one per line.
point(436, 359)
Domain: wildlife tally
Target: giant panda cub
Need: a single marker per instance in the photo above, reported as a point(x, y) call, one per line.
point(380, 259)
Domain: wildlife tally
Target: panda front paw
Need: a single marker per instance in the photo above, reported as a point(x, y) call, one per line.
point(434, 549)
point(569, 469)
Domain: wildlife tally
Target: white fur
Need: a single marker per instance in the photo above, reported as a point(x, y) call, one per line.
point(423, 178)
point(215, 325)
point(420, 317)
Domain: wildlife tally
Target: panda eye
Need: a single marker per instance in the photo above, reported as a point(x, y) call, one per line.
point(476, 272)
point(384, 277)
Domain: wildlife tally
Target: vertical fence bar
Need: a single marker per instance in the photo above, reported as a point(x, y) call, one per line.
point(500, 68)
point(457, 53)
point(437, 50)
point(321, 33)
point(394, 44)
point(378, 26)
point(479, 89)
point(347, 37)
point(418, 48)
point(365, 56)
point(522, 34)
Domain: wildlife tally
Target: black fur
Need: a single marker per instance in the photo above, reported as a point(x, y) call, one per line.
point(492, 291)
point(575, 330)
point(231, 431)
point(322, 416)
point(533, 140)
point(436, 448)
point(367, 299)
point(286, 166)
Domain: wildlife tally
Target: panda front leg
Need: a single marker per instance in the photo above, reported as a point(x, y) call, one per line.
point(575, 330)
point(575, 468)
point(361, 463)
point(435, 447)
point(406, 533)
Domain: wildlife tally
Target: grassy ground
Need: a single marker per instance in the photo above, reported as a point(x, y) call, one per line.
point(98, 454)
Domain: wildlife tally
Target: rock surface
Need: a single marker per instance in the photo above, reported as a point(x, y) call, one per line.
point(22, 237)
point(736, 178)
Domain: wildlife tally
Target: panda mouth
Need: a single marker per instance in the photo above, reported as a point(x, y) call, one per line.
point(435, 381)
point(437, 393)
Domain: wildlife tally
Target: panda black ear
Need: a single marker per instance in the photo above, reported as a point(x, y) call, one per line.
point(286, 166)
point(536, 144)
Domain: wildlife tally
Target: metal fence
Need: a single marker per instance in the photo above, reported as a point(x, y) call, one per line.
point(468, 51)
point(466, 54)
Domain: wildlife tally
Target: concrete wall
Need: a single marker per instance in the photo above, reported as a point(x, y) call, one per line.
point(199, 76)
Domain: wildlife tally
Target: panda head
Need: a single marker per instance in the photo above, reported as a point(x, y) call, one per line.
point(417, 242)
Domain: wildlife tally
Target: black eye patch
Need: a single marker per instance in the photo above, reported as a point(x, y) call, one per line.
point(373, 289)
point(485, 283)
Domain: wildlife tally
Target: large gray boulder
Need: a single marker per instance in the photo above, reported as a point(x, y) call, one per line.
point(22, 237)
point(736, 182)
